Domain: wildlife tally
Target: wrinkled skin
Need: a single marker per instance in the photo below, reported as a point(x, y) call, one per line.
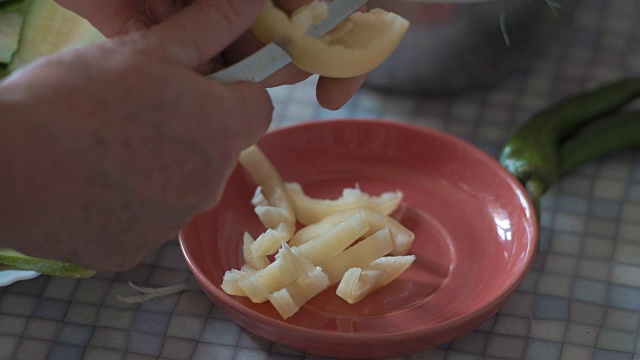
point(107, 151)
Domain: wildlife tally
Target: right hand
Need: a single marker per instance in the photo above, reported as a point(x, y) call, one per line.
point(112, 148)
point(121, 17)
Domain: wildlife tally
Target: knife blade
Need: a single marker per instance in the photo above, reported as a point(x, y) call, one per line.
point(272, 57)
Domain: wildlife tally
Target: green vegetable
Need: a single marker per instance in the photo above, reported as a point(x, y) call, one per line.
point(49, 28)
point(16, 260)
point(532, 153)
point(11, 5)
point(10, 27)
point(615, 132)
point(31, 29)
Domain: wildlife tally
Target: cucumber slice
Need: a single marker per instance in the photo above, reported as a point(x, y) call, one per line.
point(16, 260)
point(10, 27)
point(14, 5)
point(49, 28)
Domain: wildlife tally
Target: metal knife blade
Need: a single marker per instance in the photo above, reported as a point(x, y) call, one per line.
point(272, 57)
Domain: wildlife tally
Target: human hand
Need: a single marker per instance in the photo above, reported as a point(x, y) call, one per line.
point(111, 149)
point(121, 17)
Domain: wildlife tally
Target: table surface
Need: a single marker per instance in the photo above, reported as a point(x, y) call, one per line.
point(581, 300)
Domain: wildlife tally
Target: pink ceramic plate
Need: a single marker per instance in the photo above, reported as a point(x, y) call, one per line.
point(476, 237)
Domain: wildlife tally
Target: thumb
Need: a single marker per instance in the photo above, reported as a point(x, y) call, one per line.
point(250, 111)
point(203, 29)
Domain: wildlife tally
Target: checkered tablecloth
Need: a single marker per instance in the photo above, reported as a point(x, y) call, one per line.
point(581, 299)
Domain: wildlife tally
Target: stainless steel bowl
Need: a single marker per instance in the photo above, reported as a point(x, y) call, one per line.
point(459, 45)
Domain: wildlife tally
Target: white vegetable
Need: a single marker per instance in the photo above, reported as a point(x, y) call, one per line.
point(152, 293)
point(269, 242)
point(272, 187)
point(309, 210)
point(391, 266)
point(230, 282)
point(335, 240)
point(252, 257)
point(289, 300)
point(345, 241)
point(357, 283)
point(401, 237)
point(358, 255)
point(280, 273)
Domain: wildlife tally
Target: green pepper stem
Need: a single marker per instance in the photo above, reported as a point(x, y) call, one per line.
point(535, 189)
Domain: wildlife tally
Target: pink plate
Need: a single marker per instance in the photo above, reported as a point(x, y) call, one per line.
point(476, 237)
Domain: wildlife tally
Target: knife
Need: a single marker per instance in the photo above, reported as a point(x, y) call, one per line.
point(272, 57)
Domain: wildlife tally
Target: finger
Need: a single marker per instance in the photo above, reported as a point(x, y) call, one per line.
point(160, 10)
point(240, 127)
point(289, 6)
point(247, 123)
point(108, 16)
point(288, 75)
point(333, 93)
point(247, 45)
point(203, 29)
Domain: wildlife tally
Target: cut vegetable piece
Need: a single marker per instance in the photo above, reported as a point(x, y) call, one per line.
point(50, 28)
point(359, 255)
point(278, 208)
point(360, 44)
point(274, 22)
point(289, 299)
point(391, 267)
point(10, 27)
point(354, 48)
point(305, 265)
point(284, 303)
point(280, 273)
point(258, 198)
point(270, 241)
point(401, 237)
point(256, 261)
point(357, 283)
point(273, 217)
point(314, 230)
point(334, 241)
point(253, 289)
point(152, 293)
point(311, 284)
point(43, 266)
point(248, 269)
point(307, 15)
point(230, 282)
point(310, 210)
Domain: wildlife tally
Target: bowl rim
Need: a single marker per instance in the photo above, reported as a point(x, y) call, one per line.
point(416, 332)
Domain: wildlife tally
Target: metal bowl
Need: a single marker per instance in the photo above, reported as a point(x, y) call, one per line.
point(460, 45)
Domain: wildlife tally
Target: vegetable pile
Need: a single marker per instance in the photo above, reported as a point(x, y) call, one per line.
point(350, 241)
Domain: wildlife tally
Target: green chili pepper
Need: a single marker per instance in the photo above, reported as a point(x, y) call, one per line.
point(15, 260)
point(532, 153)
point(604, 136)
